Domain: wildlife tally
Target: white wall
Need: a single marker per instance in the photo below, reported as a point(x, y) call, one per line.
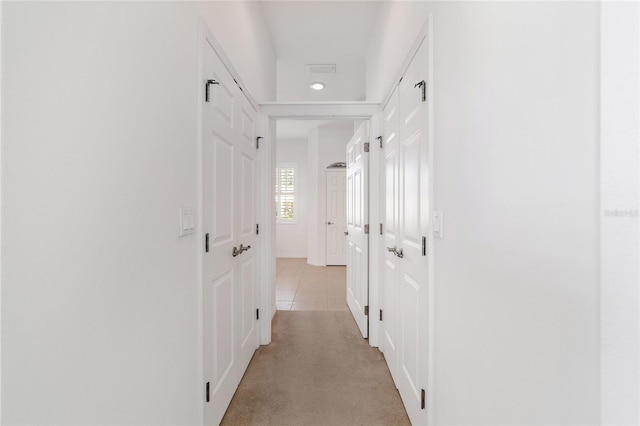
point(329, 148)
point(99, 295)
point(516, 133)
point(314, 216)
point(619, 203)
point(242, 32)
point(291, 238)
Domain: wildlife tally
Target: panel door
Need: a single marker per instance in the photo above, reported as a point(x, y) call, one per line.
point(220, 224)
point(246, 218)
point(390, 262)
point(336, 217)
point(357, 218)
point(413, 214)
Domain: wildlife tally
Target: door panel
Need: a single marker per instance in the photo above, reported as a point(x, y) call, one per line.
point(410, 206)
point(390, 272)
point(222, 190)
point(247, 195)
point(224, 351)
point(357, 218)
point(414, 215)
point(336, 217)
point(247, 294)
point(219, 221)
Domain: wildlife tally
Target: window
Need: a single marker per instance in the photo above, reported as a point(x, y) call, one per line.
point(285, 193)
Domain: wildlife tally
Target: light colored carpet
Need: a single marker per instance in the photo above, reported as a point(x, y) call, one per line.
point(318, 370)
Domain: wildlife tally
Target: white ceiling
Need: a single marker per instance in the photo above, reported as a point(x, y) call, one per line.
point(347, 84)
point(319, 32)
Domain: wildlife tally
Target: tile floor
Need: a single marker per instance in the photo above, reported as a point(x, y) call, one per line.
point(302, 287)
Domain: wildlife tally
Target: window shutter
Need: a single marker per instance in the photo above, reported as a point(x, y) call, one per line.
point(285, 193)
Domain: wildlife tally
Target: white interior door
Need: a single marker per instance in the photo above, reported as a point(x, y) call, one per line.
point(390, 262)
point(413, 214)
point(229, 219)
point(247, 261)
point(220, 227)
point(336, 217)
point(357, 224)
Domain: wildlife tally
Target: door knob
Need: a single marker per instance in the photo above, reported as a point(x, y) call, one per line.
point(346, 232)
point(329, 223)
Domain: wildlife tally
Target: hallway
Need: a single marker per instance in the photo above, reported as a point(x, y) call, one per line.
point(316, 371)
point(154, 161)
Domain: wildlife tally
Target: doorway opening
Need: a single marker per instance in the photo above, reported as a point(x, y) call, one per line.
point(310, 196)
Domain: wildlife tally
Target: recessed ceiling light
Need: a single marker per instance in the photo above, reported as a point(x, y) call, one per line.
point(317, 85)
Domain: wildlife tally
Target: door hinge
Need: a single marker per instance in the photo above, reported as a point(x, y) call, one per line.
point(424, 246)
point(366, 229)
point(206, 242)
point(257, 229)
point(437, 224)
point(207, 393)
point(366, 147)
point(238, 84)
point(381, 229)
point(258, 314)
point(258, 142)
point(206, 93)
point(380, 314)
point(366, 310)
point(380, 140)
point(423, 85)
point(423, 404)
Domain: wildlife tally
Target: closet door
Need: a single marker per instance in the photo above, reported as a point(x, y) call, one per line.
point(406, 219)
point(220, 277)
point(413, 214)
point(230, 289)
point(390, 262)
point(246, 213)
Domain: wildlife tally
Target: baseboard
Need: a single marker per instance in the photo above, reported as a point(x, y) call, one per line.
point(313, 262)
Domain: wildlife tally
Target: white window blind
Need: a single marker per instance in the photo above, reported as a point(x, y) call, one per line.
point(285, 193)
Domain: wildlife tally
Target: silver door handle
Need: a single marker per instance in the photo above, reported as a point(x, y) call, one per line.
point(236, 251)
point(396, 251)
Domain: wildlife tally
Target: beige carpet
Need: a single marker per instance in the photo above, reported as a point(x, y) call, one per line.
point(318, 370)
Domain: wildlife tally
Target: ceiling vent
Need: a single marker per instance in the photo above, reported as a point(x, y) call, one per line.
point(322, 68)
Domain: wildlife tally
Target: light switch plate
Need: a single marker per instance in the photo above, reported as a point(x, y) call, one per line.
point(437, 224)
point(186, 222)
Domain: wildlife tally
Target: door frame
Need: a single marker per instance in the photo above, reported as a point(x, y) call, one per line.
point(271, 112)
